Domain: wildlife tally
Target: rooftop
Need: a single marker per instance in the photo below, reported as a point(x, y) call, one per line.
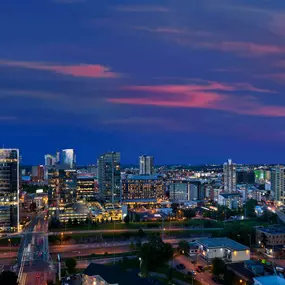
point(114, 275)
point(143, 177)
point(222, 242)
point(273, 230)
point(269, 280)
point(229, 195)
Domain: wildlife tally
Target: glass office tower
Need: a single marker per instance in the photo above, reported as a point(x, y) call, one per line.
point(109, 176)
point(9, 190)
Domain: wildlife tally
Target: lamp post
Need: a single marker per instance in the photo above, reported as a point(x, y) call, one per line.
point(9, 240)
point(249, 235)
point(61, 238)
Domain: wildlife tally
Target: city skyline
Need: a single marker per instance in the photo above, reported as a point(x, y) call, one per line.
point(205, 80)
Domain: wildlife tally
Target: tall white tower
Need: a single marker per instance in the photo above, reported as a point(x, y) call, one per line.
point(146, 165)
point(230, 183)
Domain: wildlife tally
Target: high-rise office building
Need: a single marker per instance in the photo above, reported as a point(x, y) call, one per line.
point(62, 187)
point(109, 176)
point(50, 160)
point(230, 177)
point(68, 158)
point(277, 183)
point(179, 190)
point(9, 189)
point(245, 176)
point(146, 165)
point(142, 188)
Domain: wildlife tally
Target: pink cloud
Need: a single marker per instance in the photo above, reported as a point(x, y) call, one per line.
point(206, 86)
point(202, 97)
point(81, 70)
point(141, 8)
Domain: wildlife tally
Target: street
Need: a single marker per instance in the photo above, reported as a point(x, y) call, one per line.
point(204, 277)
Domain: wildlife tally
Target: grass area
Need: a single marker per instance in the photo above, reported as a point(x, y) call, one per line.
point(14, 241)
point(139, 225)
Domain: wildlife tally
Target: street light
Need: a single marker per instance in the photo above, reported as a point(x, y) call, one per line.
point(61, 237)
point(240, 281)
point(9, 240)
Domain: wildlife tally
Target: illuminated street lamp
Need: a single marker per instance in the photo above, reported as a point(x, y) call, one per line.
point(9, 240)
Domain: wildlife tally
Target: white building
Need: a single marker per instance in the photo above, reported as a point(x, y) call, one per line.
point(225, 248)
point(230, 182)
point(146, 165)
point(230, 200)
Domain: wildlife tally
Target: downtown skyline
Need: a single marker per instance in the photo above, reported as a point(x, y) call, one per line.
point(189, 83)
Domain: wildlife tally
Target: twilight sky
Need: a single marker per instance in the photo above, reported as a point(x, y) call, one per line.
point(188, 81)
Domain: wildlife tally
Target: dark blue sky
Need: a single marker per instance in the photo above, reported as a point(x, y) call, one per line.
point(186, 81)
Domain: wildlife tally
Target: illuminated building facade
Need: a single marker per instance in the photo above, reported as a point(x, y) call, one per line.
point(87, 187)
point(179, 190)
point(141, 188)
point(109, 176)
point(230, 183)
point(146, 165)
point(63, 186)
point(68, 159)
point(9, 189)
point(277, 183)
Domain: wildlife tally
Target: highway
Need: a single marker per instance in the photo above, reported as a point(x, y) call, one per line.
point(33, 260)
point(116, 231)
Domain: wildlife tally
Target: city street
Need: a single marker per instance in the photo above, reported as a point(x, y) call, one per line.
point(204, 277)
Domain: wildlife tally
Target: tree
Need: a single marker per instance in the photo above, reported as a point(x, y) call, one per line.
point(70, 264)
point(69, 222)
point(141, 233)
point(50, 282)
point(137, 218)
point(75, 222)
point(127, 219)
point(189, 213)
point(250, 208)
point(155, 253)
point(218, 266)
point(8, 278)
point(170, 274)
point(183, 246)
point(33, 207)
point(174, 207)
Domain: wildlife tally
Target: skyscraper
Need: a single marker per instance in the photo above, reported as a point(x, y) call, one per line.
point(67, 159)
point(229, 176)
point(277, 183)
point(109, 176)
point(62, 187)
point(146, 165)
point(9, 189)
point(50, 160)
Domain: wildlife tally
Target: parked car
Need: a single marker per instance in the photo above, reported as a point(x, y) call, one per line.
point(201, 267)
point(180, 266)
point(198, 270)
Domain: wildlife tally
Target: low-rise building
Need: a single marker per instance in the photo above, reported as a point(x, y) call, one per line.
point(270, 236)
point(269, 280)
point(225, 248)
point(110, 275)
point(230, 200)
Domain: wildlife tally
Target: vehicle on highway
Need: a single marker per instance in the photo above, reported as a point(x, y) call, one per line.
point(198, 270)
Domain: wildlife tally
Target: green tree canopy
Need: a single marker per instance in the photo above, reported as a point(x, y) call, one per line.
point(8, 278)
point(155, 253)
point(183, 245)
point(127, 219)
point(218, 266)
point(70, 264)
